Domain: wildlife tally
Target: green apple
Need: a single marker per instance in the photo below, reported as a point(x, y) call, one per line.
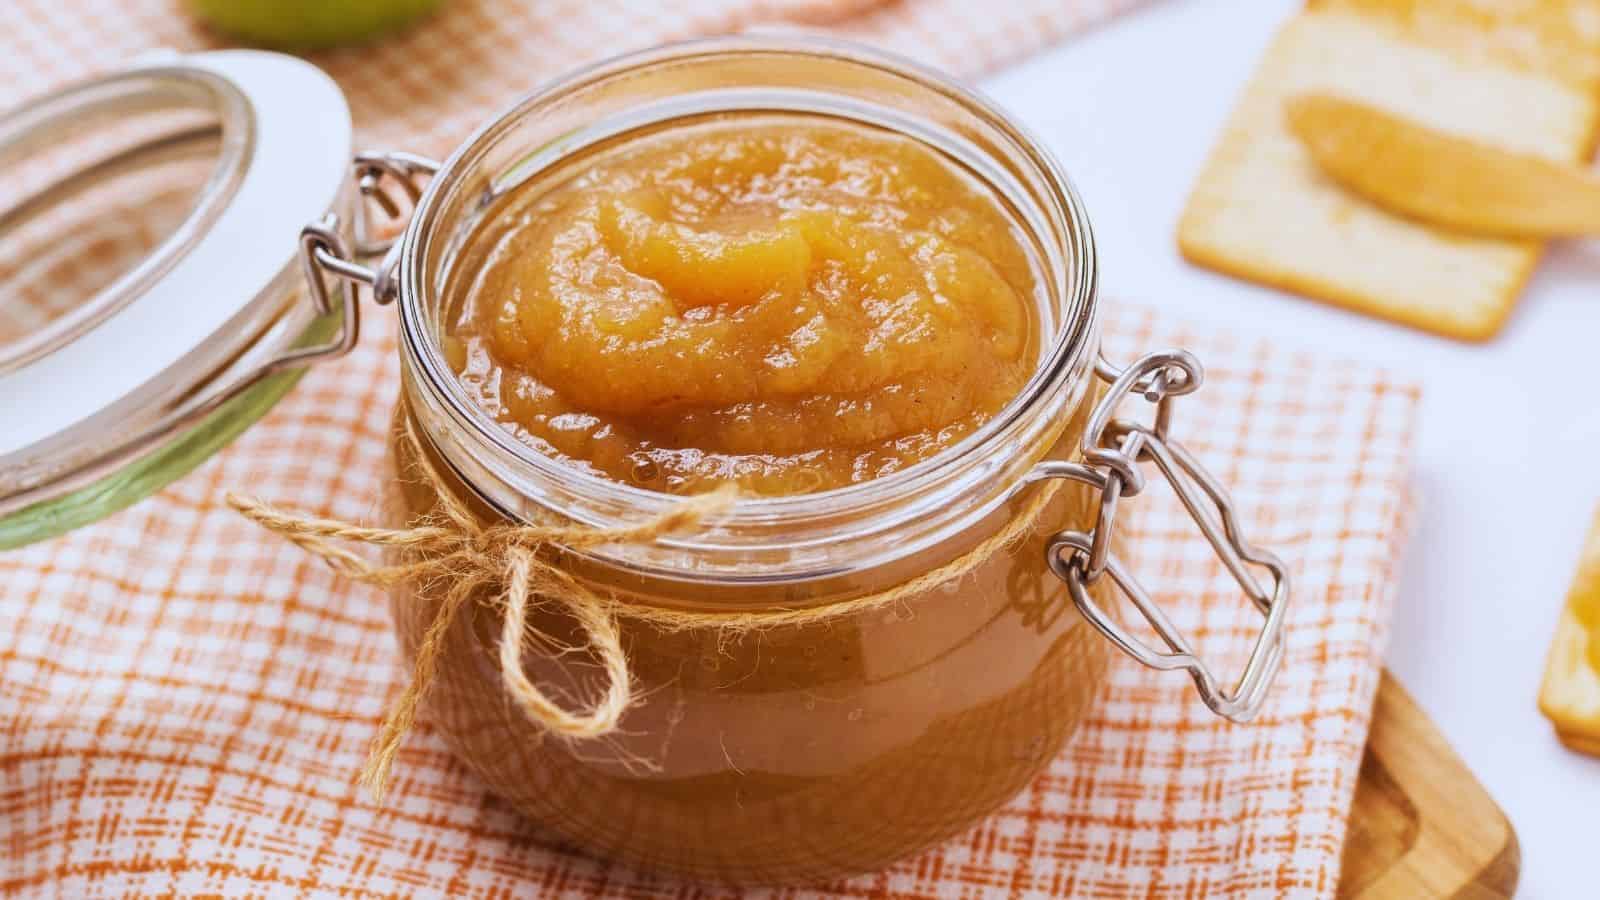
point(308, 24)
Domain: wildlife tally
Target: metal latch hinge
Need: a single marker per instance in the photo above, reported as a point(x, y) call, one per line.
point(1113, 449)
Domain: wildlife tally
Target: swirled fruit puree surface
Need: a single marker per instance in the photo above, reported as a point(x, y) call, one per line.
point(793, 305)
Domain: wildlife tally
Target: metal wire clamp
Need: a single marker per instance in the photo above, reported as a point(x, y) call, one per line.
point(1112, 450)
point(324, 250)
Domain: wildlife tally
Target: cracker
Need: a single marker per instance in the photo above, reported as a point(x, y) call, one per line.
point(1260, 210)
point(1580, 743)
point(1559, 38)
point(1570, 694)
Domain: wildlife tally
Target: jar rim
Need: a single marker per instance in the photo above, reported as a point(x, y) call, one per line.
point(1068, 352)
point(80, 107)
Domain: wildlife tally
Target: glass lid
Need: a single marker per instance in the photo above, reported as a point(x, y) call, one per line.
point(148, 272)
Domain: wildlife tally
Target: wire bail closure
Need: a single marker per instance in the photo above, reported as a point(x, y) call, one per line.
point(1113, 449)
point(324, 250)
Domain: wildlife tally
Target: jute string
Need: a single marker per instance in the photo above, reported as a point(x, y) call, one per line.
point(516, 567)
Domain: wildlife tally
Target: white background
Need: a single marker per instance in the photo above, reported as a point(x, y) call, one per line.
point(1508, 465)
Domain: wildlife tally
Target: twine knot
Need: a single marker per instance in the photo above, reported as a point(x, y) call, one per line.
point(511, 567)
point(514, 567)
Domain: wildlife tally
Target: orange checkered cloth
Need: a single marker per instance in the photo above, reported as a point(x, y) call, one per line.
point(184, 701)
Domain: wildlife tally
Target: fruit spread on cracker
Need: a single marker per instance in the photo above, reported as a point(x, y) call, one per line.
point(1519, 76)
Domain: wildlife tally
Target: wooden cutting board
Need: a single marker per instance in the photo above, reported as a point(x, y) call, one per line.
point(1421, 825)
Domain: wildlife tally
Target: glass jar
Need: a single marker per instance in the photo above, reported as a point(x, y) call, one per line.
point(763, 746)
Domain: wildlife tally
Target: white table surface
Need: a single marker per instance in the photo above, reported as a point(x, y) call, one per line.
point(1509, 439)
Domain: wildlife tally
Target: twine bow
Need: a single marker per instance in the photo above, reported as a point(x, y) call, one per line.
point(505, 562)
point(515, 566)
